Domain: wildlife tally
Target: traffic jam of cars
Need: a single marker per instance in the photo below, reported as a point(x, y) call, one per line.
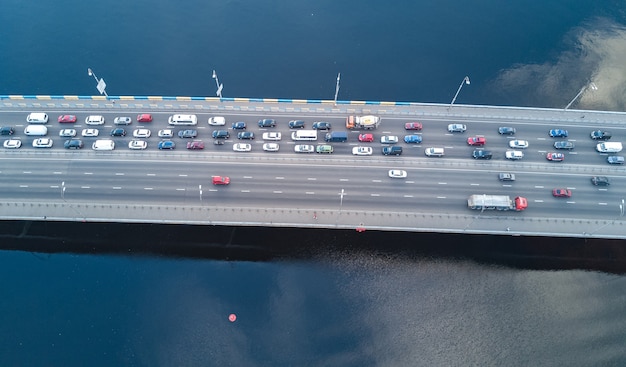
point(182, 131)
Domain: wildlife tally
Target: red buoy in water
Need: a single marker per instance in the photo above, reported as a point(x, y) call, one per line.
point(232, 317)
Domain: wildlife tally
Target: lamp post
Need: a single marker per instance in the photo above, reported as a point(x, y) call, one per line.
point(217, 83)
point(464, 81)
point(582, 90)
point(101, 85)
point(337, 87)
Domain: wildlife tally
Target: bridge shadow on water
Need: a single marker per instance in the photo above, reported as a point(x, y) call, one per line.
point(269, 243)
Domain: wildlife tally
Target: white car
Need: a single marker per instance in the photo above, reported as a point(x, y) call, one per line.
point(271, 147)
point(42, 143)
point(90, 132)
point(274, 135)
point(242, 147)
point(67, 133)
point(137, 144)
point(518, 144)
point(12, 143)
point(166, 133)
point(94, 120)
point(122, 121)
point(141, 133)
point(514, 154)
point(457, 128)
point(217, 121)
point(103, 144)
point(362, 151)
point(397, 173)
point(388, 139)
point(304, 148)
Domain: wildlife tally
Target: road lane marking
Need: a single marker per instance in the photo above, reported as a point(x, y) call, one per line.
point(344, 179)
point(150, 174)
point(180, 189)
point(85, 187)
point(408, 196)
point(539, 187)
point(310, 193)
point(279, 178)
point(245, 190)
point(23, 185)
point(409, 182)
point(247, 176)
point(603, 204)
point(441, 197)
point(377, 181)
point(442, 183)
point(312, 178)
point(148, 188)
point(278, 192)
point(26, 172)
point(474, 184)
point(119, 173)
point(117, 187)
point(182, 175)
point(87, 173)
point(538, 201)
point(374, 194)
point(57, 173)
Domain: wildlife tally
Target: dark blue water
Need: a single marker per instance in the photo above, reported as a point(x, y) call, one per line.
point(345, 308)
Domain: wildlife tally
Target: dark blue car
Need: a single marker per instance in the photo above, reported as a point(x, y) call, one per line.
point(558, 133)
point(239, 125)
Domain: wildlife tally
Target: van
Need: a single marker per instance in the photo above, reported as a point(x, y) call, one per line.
point(607, 147)
point(103, 144)
point(434, 152)
point(306, 135)
point(183, 120)
point(336, 137)
point(37, 118)
point(36, 130)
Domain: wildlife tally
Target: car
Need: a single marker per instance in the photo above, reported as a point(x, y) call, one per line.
point(73, 144)
point(505, 176)
point(271, 147)
point(392, 150)
point(144, 117)
point(217, 121)
point(272, 136)
point(362, 151)
point(366, 138)
point(166, 144)
point(94, 120)
point(600, 135)
point(481, 154)
point(218, 142)
point(187, 134)
point(6, 130)
point(220, 134)
point(518, 144)
point(413, 126)
point(457, 128)
point(67, 133)
point(267, 123)
point(239, 125)
point(220, 180)
point(413, 139)
point(558, 133)
point(123, 120)
point(514, 154)
point(165, 133)
point(12, 143)
point(142, 133)
point(562, 193)
point(118, 132)
point(555, 157)
point(600, 181)
point(506, 130)
point(242, 147)
point(137, 144)
point(615, 159)
point(321, 125)
point(67, 119)
point(245, 135)
point(565, 144)
point(103, 144)
point(90, 132)
point(42, 143)
point(397, 173)
point(304, 148)
point(476, 140)
point(195, 145)
point(296, 124)
point(388, 139)
point(324, 149)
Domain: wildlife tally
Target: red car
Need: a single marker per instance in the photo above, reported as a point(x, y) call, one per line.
point(144, 117)
point(196, 144)
point(562, 193)
point(366, 137)
point(413, 126)
point(555, 157)
point(477, 141)
point(67, 119)
point(221, 180)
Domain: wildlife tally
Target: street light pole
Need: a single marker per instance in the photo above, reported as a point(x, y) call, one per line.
point(582, 90)
point(101, 85)
point(464, 81)
point(217, 83)
point(337, 87)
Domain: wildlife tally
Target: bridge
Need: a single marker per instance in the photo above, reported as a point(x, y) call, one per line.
point(339, 190)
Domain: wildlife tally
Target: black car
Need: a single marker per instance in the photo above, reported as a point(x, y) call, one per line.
point(505, 130)
point(321, 125)
point(239, 125)
point(600, 135)
point(245, 135)
point(392, 150)
point(187, 134)
point(73, 144)
point(118, 132)
point(6, 130)
point(296, 124)
point(564, 145)
point(481, 154)
point(600, 181)
point(221, 134)
point(267, 123)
